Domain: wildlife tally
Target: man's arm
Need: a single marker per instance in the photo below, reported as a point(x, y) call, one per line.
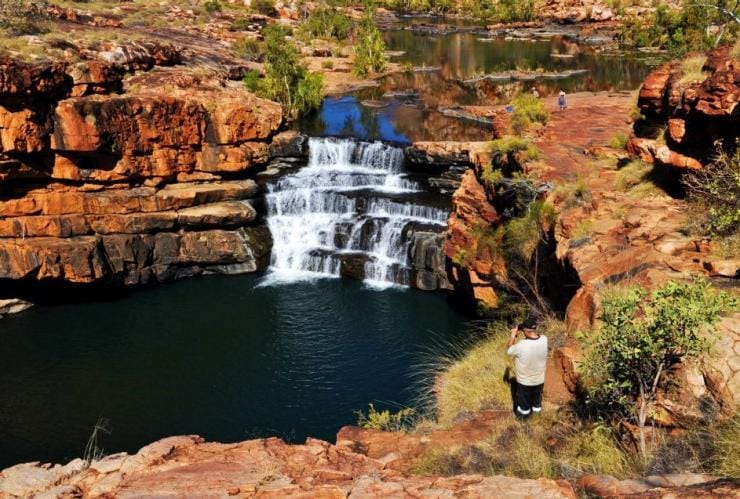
point(512, 338)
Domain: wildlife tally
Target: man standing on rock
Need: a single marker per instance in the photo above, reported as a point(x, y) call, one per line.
point(530, 359)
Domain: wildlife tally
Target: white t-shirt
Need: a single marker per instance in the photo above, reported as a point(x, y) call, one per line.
point(530, 358)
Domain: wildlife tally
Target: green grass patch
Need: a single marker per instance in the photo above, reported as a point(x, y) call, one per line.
point(632, 174)
point(528, 112)
point(619, 141)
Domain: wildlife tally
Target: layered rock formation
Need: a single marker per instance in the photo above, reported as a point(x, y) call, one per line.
point(190, 467)
point(602, 237)
point(102, 185)
point(694, 114)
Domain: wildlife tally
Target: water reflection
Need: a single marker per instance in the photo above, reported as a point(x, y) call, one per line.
point(405, 107)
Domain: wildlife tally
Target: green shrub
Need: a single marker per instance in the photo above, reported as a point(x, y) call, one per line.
point(716, 190)
point(212, 6)
point(632, 174)
point(240, 24)
point(23, 17)
point(250, 49)
point(264, 7)
point(511, 144)
point(681, 30)
point(643, 335)
point(509, 11)
point(369, 47)
point(327, 64)
point(528, 110)
point(298, 90)
point(386, 420)
point(327, 24)
point(252, 80)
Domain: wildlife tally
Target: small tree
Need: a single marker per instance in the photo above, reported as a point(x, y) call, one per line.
point(642, 335)
point(716, 188)
point(369, 46)
point(286, 81)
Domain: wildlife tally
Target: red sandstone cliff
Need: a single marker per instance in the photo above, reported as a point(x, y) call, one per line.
point(694, 115)
point(100, 185)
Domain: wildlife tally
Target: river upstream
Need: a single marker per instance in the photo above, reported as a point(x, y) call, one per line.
point(296, 350)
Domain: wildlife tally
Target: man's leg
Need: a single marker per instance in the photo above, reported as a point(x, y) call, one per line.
point(536, 399)
point(523, 404)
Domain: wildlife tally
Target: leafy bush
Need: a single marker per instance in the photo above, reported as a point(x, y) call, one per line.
point(326, 23)
point(642, 335)
point(716, 188)
point(511, 144)
point(528, 110)
point(369, 47)
point(252, 80)
point(212, 6)
point(23, 17)
point(240, 24)
point(509, 11)
point(386, 420)
point(681, 30)
point(250, 49)
point(298, 90)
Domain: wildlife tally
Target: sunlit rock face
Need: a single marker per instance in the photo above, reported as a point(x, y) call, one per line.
point(695, 114)
point(128, 189)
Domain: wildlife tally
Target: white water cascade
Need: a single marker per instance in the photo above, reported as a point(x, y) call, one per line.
point(349, 204)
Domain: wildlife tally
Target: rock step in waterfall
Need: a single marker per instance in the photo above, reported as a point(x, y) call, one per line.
point(351, 211)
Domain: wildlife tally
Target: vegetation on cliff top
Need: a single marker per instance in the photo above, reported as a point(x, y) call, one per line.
point(369, 47)
point(641, 337)
point(716, 190)
point(287, 82)
point(697, 25)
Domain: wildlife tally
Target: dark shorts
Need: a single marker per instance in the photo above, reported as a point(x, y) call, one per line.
point(528, 399)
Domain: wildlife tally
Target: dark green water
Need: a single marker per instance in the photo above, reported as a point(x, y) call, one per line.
point(215, 356)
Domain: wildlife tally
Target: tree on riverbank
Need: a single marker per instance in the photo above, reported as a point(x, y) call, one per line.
point(287, 82)
point(369, 46)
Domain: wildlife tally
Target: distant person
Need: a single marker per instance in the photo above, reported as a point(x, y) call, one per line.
point(535, 93)
point(530, 359)
point(561, 100)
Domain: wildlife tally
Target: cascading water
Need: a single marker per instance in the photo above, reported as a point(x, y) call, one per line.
point(349, 203)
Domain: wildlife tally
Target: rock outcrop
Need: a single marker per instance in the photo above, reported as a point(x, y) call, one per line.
point(602, 237)
point(148, 185)
point(188, 466)
point(694, 114)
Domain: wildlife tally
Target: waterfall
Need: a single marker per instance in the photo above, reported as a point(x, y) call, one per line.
point(350, 203)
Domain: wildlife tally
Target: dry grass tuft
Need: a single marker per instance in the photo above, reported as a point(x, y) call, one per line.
point(691, 69)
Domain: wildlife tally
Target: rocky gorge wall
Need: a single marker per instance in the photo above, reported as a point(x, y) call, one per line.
point(102, 184)
point(684, 120)
point(602, 237)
